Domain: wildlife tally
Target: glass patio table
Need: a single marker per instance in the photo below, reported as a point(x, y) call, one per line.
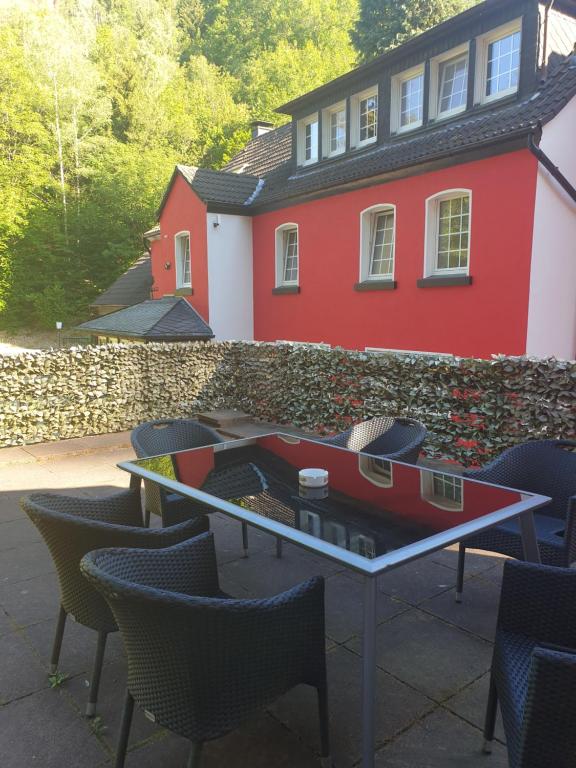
point(373, 515)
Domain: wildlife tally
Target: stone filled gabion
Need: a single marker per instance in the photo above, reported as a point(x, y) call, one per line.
point(472, 408)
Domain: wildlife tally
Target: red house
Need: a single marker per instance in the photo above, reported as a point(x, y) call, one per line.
point(424, 201)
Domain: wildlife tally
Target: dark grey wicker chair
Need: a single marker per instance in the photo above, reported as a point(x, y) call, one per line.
point(534, 667)
point(547, 467)
point(71, 527)
point(390, 437)
point(200, 663)
point(154, 438)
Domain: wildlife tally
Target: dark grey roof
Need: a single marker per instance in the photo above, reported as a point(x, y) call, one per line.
point(222, 187)
point(263, 153)
point(130, 288)
point(171, 317)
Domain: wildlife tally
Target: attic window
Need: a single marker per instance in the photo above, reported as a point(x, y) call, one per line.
point(334, 130)
point(449, 83)
point(182, 259)
point(407, 105)
point(498, 62)
point(308, 140)
point(364, 111)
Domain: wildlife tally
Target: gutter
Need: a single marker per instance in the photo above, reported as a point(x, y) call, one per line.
point(543, 158)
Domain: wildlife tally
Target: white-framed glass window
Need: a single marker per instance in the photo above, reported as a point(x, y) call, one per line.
point(334, 130)
point(377, 235)
point(443, 491)
point(287, 255)
point(448, 83)
point(182, 259)
point(407, 100)
point(448, 218)
point(310, 522)
point(377, 471)
point(364, 111)
point(363, 545)
point(307, 138)
point(498, 62)
point(335, 533)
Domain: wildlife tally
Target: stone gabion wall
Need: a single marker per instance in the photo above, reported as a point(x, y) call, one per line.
point(472, 408)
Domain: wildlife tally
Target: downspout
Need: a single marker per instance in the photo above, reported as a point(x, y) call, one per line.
point(553, 169)
point(547, 10)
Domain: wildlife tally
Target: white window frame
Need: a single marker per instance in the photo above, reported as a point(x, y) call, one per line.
point(355, 142)
point(427, 491)
point(279, 236)
point(396, 99)
point(370, 467)
point(326, 129)
point(177, 238)
point(434, 112)
point(481, 71)
point(301, 139)
point(431, 233)
point(367, 217)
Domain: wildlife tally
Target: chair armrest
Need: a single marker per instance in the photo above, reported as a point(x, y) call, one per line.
point(570, 530)
point(538, 601)
point(549, 736)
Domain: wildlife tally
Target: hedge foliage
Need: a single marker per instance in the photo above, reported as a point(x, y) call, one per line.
point(473, 408)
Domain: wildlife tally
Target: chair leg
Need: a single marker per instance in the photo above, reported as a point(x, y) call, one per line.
point(57, 644)
point(490, 721)
point(324, 726)
point(124, 730)
point(146, 518)
point(278, 547)
point(195, 755)
point(460, 572)
point(245, 538)
point(96, 674)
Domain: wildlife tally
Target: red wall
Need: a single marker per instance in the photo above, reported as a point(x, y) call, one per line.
point(183, 211)
point(487, 317)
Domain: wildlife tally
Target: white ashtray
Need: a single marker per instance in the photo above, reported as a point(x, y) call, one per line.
point(313, 477)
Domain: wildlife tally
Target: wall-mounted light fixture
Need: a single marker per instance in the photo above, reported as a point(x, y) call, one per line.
point(167, 265)
point(216, 221)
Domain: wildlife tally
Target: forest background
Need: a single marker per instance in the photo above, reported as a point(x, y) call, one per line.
point(99, 99)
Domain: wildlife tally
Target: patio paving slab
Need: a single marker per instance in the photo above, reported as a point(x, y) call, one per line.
point(43, 730)
point(441, 740)
point(25, 562)
point(31, 600)
point(470, 704)
point(432, 656)
point(14, 533)
point(20, 670)
point(417, 581)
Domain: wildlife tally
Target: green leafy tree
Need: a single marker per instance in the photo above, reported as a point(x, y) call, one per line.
point(384, 24)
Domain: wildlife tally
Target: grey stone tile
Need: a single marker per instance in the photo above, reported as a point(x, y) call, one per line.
point(470, 704)
point(441, 740)
point(417, 581)
point(397, 706)
point(5, 623)
point(260, 743)
point(43, 730)
point(477, 561)
point(20, 670)
point(24, 478)
point(10, 508)
point(432, 656)
point(477, 612)
point(32, 600)
point(14, 533)
point(345, 607)
point(228, 538)
point(24, 563)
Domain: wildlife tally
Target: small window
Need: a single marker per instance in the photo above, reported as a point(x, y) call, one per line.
point(364, 108)
point(308, 140)
point(377, 471)
point(377, 243)
point(363, 545)
point(449, 83)
point(443, 491)
point(182, 257)
point(310, 522)
point(287, 255)
point(498, 62)
point(448, 233)
point(334, 130)
point(407, 108)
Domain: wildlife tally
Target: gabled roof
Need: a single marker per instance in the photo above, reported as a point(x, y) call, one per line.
point(263, 153)
point(170, 318)
point(130, 288)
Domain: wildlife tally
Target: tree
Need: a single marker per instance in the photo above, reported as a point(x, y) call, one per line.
point(384, 24)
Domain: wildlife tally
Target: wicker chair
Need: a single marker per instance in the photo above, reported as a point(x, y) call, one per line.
point(199, 662)
point(155, 438)
point(71, 527)
point(392, 438)
point(547, 467)
point(534, 667)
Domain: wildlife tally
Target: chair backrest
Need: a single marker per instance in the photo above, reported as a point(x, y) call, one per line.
point(547, 467)
point(154, 438)
point(71, 527)
point(395, 437)
point(200, 665)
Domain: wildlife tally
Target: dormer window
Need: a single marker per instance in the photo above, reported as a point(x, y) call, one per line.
point(407, 100)
point(308, 140)
point(334, 130)
point(364, 111)
point(498, 62)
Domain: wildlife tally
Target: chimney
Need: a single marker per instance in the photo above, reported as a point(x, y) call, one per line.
point(259, 127)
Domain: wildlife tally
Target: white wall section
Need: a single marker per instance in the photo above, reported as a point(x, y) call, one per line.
point(552, 303)
point(230, 286)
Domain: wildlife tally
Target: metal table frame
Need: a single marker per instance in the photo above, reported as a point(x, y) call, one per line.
point(370, 569)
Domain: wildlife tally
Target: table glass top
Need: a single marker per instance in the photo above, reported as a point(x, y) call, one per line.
point(369, 507)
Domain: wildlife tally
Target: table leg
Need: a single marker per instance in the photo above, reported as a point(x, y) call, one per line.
point(369, 673)
point(529, 540)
